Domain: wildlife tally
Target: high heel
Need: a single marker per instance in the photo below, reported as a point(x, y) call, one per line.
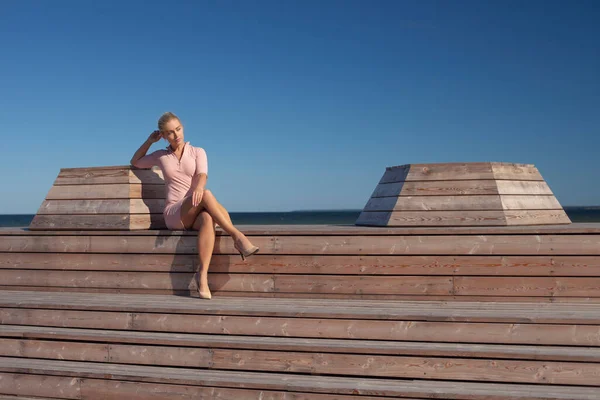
point(244, 253)
point(203, 295)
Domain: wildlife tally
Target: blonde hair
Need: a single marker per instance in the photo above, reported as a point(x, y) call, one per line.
point(166, 117)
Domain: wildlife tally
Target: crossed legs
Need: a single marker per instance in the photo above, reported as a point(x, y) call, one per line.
point(202, 218)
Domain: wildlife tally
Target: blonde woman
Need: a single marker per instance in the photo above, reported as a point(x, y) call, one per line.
point(189, 205)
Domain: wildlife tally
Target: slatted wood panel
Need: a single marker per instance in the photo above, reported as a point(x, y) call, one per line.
point(490, 267)
point(113, 198)
point(467, 194)
point(416, 349)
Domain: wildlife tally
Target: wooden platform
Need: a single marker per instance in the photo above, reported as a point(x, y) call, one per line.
point(546, 263)
point(94, 306)
point(75, 345)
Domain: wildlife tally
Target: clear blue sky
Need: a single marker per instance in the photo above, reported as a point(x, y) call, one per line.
point(301, 104)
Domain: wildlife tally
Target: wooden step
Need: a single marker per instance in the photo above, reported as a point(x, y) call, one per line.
point(12, 367)
point(491, 363)
point(575, 245)
point(309, 308)
point(354, 346)
point(458, 322)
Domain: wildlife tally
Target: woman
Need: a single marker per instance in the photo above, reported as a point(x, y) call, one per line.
point(189, 205)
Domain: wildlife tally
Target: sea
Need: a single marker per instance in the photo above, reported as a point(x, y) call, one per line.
point(317, 217)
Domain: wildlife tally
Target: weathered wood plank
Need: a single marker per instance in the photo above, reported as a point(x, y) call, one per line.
point(408, 330)
point(231, 282)
point(275, 360)
point(71, 350)
point(464, 217)
point(318, 245)
point(363, 284)
point(466, 203)
point(96, 389)
point(461, 188)
point(523, 172)
point(535, 202)
point(108, 206)
point(575, 228)
point(527, 286)
point(137, 280)
point(311, 264)
point(192, 292)
point(353, 346)
point(460, 171)
point(86, 176)
point(115, 222)
point(343, 309)
point(64, 387)
point(107, 191)
point(274, 381)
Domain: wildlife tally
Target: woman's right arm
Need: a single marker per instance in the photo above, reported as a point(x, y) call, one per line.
point(140, 154)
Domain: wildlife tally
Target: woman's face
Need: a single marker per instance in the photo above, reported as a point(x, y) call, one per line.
point(173, 133)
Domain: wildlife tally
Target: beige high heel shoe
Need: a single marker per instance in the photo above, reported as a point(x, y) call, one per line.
point(245, 253)
point(203, 295)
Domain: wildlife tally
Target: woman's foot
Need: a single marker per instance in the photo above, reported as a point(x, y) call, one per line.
point(203, 290)
point(244, 246)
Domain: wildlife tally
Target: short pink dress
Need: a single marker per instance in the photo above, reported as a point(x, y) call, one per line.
point(178, 176)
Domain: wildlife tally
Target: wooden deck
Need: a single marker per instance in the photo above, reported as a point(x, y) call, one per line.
point(322, 312)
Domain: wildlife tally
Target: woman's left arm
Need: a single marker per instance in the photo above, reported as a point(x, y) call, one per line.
point(200, 176)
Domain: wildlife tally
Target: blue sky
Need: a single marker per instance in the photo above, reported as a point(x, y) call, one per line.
point(301, 104)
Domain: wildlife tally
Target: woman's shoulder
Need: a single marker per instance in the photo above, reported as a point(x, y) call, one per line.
point(197, 149)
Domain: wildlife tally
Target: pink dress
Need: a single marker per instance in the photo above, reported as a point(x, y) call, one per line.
point(178, 176)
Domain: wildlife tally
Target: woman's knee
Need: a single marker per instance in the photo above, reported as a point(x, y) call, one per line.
point(203, 219)
point(207, 196)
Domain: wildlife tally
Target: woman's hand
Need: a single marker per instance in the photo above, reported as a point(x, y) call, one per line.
point(197, 196)
point(154, 137)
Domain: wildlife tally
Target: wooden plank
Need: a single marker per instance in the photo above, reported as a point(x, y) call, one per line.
point(86, 176)
point(575, 228)
point(409, 330)
point(111, 206)
point(509, 171)
point(318, 245)
point(523, 188)
point(363, 284)
point(74, 351)
point(96, 389)
point(434, 203)
point(192, 292)
point(158, 280)
point(527, 286)
point(467, 203)
point(381, 366)
point(461, 188)
point(460, 171)
point(77, 319)
point(535, 202)
point(311, 264)
point(107, 191)
point(115, 222)
point(276, 360)
point(458, 218)
point(343, 309)
point(65, 387)
point(321, 384)
point(353, 346)
point(533, 217)
point(9, 397)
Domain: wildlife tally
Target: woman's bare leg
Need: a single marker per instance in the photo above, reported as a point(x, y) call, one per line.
point(206, 242)
point(212, 206)
point(224, 211)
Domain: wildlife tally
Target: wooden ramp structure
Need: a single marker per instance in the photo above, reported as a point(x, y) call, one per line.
point(95, 306)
